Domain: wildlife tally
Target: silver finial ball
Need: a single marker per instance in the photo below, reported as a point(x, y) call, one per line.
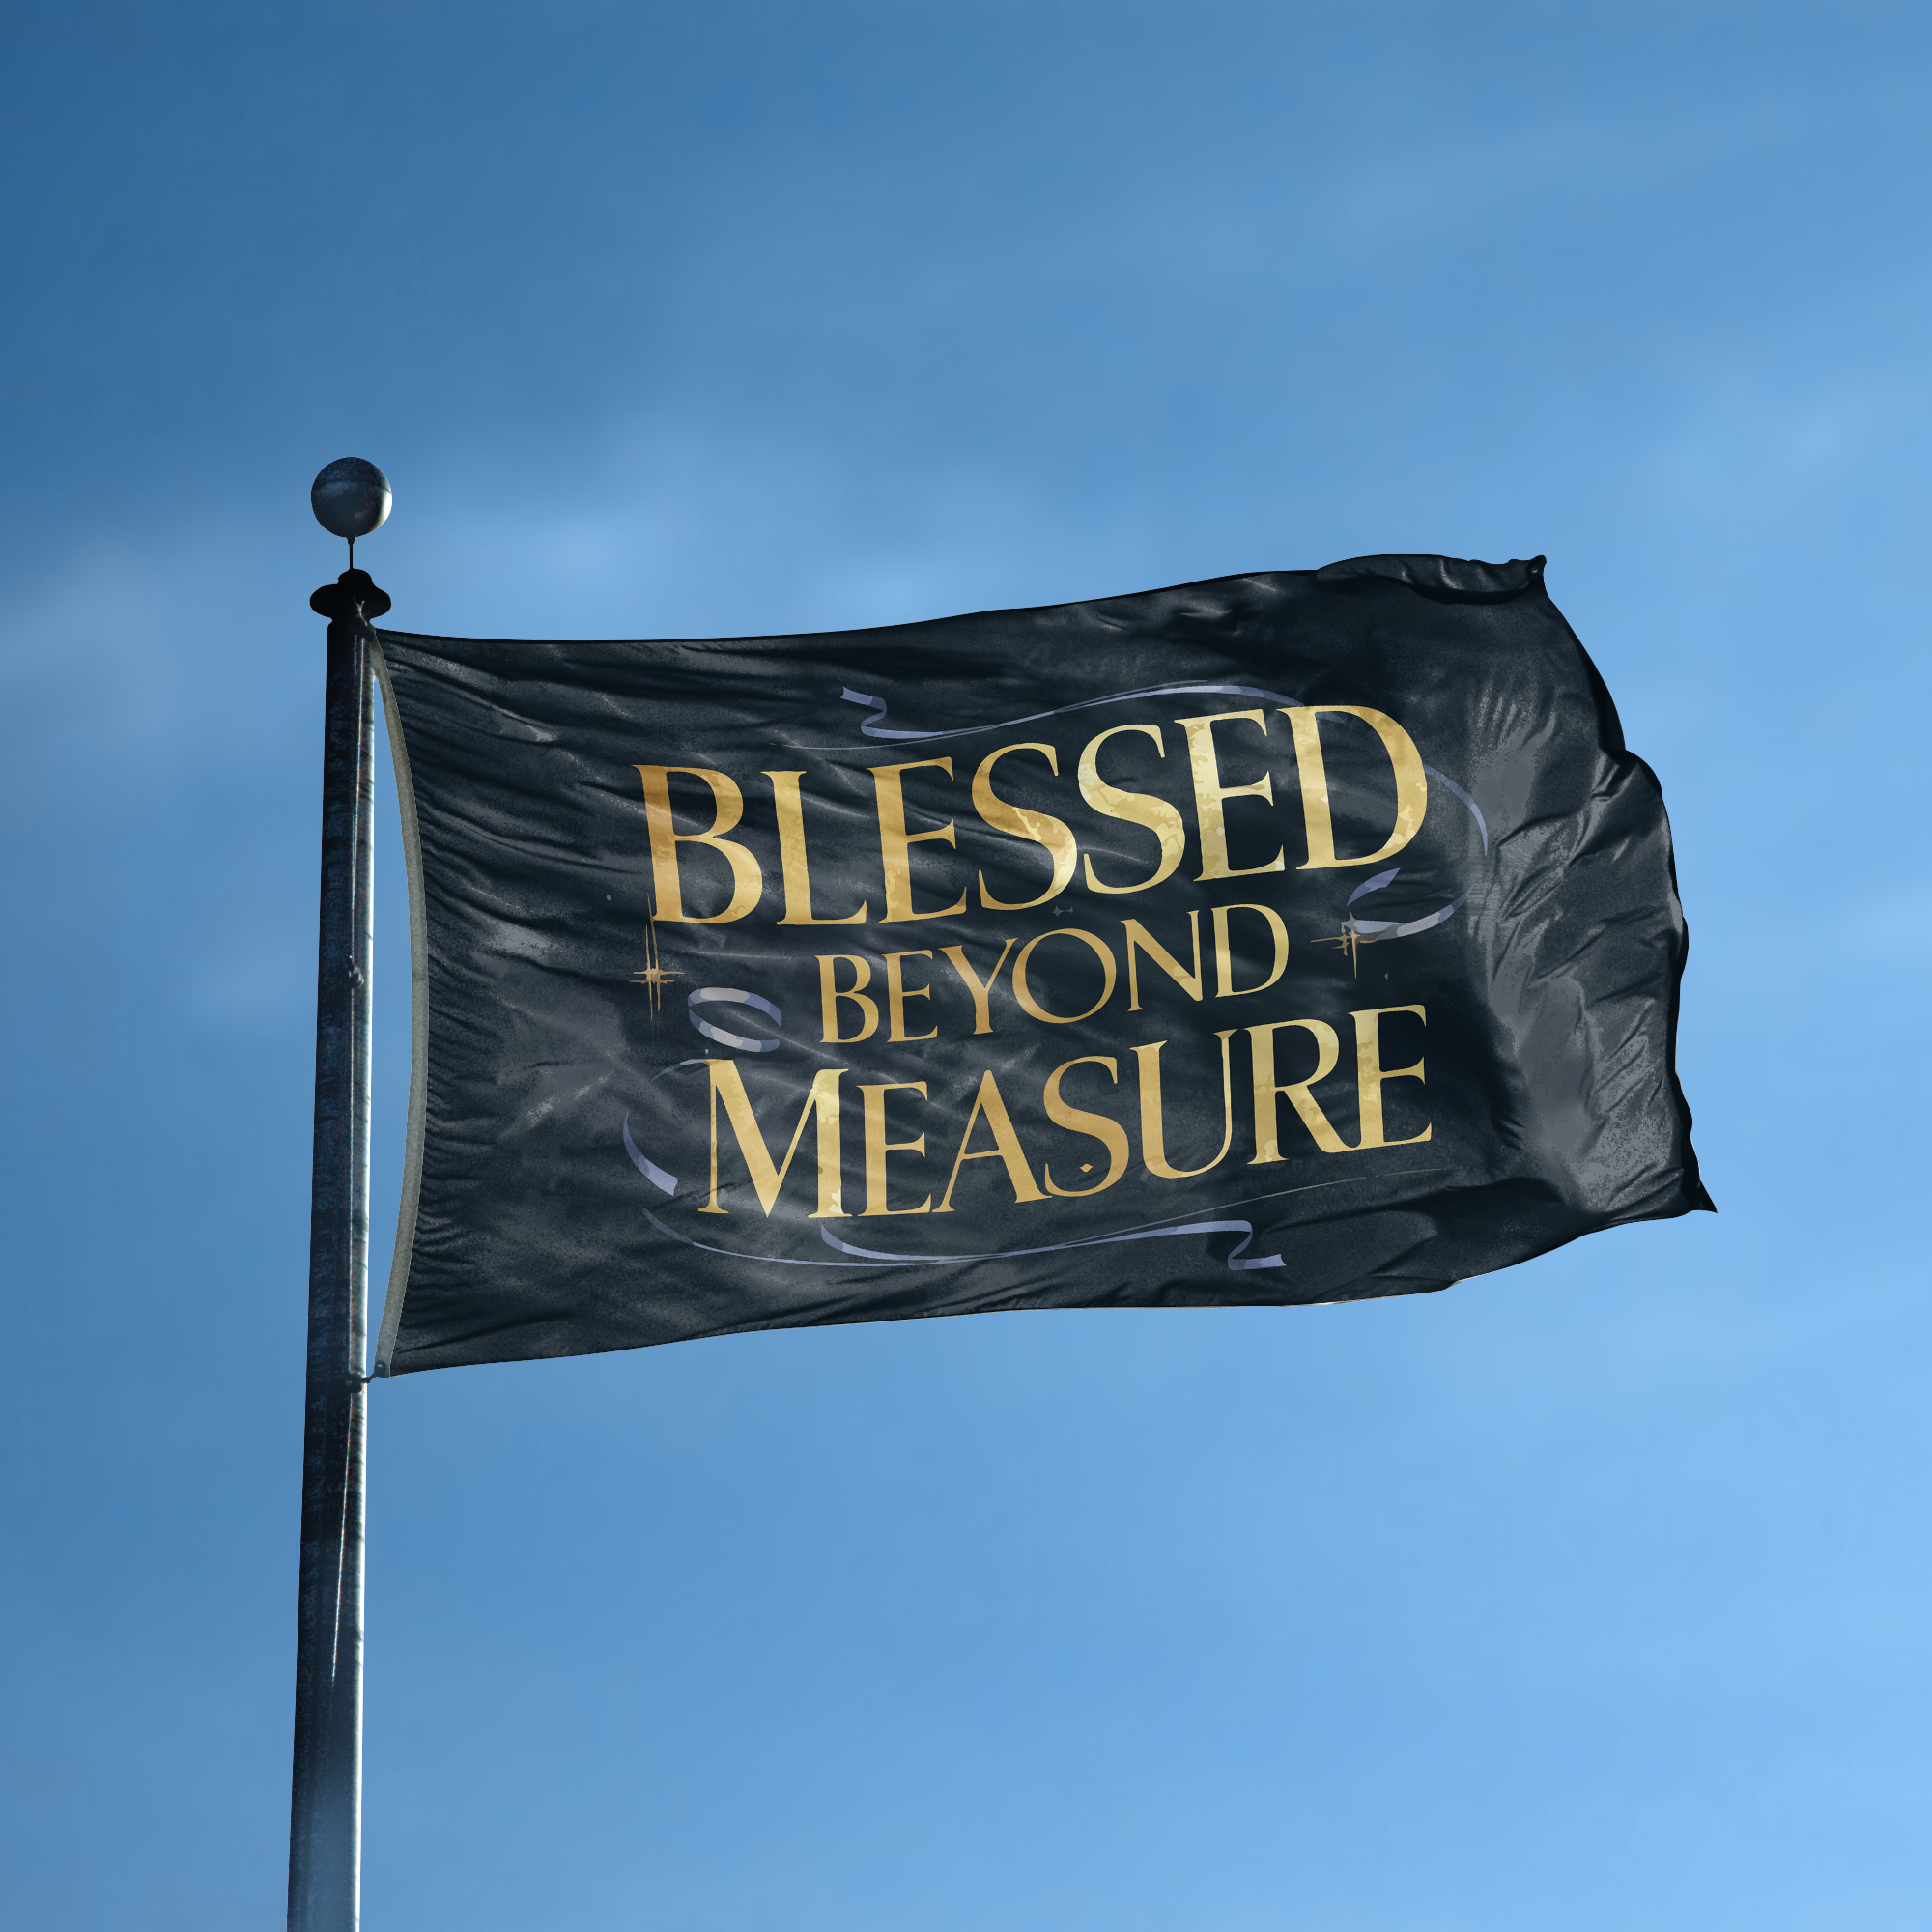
point(351, 497)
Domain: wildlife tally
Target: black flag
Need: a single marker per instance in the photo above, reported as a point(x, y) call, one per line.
point(1298, 937)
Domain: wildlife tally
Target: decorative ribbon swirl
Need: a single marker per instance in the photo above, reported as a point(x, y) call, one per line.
point(1368, 930)
point(732, 995)
point(648, 1168)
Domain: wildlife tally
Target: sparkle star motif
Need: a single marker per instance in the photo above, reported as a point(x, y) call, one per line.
point(1349, 941)
point(652, 977)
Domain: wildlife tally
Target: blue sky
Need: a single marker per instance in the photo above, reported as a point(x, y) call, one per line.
point(1595, 1594)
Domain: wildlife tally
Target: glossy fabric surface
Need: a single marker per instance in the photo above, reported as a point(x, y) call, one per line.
point(1296, 937)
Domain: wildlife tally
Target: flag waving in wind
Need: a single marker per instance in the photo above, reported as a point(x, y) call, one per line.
point(1297, 937)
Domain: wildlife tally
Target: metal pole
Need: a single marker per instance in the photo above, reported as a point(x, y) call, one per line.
point(326, 1826)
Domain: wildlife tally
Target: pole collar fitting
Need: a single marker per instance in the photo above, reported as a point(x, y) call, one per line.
point(352, 596)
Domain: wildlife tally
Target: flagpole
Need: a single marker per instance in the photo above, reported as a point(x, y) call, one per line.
point(326, 1810)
